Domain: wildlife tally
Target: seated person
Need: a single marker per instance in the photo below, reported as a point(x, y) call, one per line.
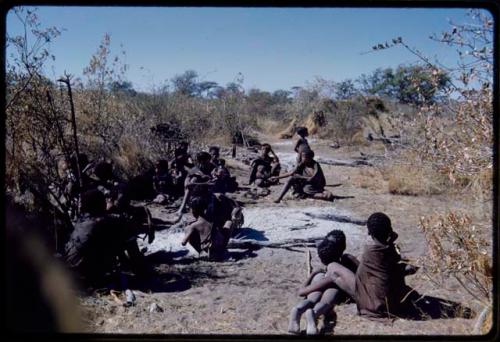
point(264, 167)
point(318, 303)
point(378, 285)
point(307, 180)
point(179, 167)
point(202, 234)
point(98, 239)
point(302, 144)
point(222, 178)
point(162, 181)
point(225, 213)
point(200, 174)
point(214, 152)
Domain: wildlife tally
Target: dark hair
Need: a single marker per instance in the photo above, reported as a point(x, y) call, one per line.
point(104, 171)
point(93, 202)
point(203, 157)
point(302, 131)
point(222, 162)
point(266, 145)
point(309, 153)
point(198, 204)
point(379, 226)
point(214, 148)
point(82, 158)
point(332, 247)
point(162, 164)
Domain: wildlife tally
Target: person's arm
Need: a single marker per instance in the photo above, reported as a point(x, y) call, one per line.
point(316, 170)
point(296, 148)
point(274, 155)
point(309, 279)
point(188, 232)
point(318, 286)
point(282, 176)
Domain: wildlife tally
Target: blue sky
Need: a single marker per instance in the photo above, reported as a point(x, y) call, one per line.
point(274, 48)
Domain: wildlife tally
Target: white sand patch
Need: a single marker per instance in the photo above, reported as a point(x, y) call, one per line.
point(284, 224)
point(288, 160)
point(274, 224)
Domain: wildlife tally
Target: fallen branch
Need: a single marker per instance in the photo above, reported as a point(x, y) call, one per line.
point(253, 244)
point(339, 162)
point(337, 218)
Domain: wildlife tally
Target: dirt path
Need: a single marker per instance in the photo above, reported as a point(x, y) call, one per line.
point(253, 291)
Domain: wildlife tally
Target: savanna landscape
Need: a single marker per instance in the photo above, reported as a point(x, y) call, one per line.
point(414, 141)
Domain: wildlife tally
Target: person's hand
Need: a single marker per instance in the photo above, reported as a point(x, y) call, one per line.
point(273, 179)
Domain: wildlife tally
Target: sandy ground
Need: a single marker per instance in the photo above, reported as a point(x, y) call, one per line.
point(253, 291)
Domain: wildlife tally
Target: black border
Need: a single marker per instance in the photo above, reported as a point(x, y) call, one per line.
point(491, 5)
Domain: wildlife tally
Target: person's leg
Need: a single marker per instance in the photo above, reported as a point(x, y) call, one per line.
point(187, 194)
point(325, 196)
point(298, 310)
point(285, 189)
point(325, 305)
point(343, 277)
point(275, 169)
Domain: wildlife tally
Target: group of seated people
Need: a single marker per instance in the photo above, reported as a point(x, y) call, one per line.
point(307, 178)
point(199, 183)
point(96, 244)
point(375, 282)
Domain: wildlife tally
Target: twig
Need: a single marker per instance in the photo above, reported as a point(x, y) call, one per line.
point(308, 261)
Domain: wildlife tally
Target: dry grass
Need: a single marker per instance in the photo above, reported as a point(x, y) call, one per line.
point(414, 180)
point(369, 178)
point(458, 250)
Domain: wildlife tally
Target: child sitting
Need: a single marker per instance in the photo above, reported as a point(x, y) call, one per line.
point(320, 302)
point(378, 285)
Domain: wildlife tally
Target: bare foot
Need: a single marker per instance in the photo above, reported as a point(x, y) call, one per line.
point(311, 323)
point(294, 324)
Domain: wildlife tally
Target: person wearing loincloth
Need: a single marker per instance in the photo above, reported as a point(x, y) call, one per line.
point(378, 285)
point(307, 180)
point(265, 166)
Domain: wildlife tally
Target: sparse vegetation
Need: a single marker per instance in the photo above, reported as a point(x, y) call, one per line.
point(431, 127)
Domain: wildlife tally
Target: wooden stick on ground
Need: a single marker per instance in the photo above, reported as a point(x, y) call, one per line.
point(308, 261)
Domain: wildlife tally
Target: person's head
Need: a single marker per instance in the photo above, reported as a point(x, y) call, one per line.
point(82, 158)
point(380, 228)
point(198, 206)
point(183, 145)
point(332, 247)
point(93, 202)
point(265, 148)
point(222, 162)
point(104, 171)
point(161, 166)
point(307, 156)
point(202, 158)
point(302, 131)
point(214, 151)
